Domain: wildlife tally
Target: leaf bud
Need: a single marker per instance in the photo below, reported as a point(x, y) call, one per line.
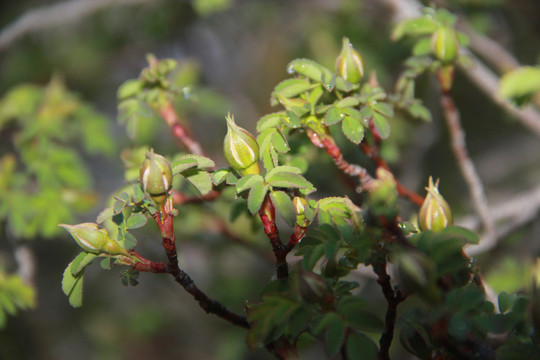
point(241, 149)
point(383, 190)
point(300, 204)
point(349, 64)
point(312, 287)
point(435, 213)
point(445, 44)
point(156, 177)
point(94, 239)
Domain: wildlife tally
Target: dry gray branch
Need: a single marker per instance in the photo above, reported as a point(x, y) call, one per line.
point(55, 15)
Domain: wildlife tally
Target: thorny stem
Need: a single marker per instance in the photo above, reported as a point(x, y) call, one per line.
point(169, 115)
point(267, 213)
point(468, 170)
point(393, 299)
point(211, 306)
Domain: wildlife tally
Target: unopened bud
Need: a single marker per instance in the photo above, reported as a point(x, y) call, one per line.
point(349, 64)
point(94, 239)
point(300, 204)
point(435, 213)
point(241, 149)
point(156, 177)
point(383, 190)
point(312, 287)
point(445, 44)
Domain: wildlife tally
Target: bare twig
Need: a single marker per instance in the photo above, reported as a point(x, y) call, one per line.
point(56, 15)
point(468, 170)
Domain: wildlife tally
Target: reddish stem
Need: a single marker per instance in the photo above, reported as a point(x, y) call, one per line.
point(350, 169)
point(169, 115)
point(211, 306)
point(267, 213)
point(380, 162)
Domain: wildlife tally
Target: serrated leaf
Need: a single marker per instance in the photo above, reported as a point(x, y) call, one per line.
point(105, 215)
point(383, 109)
point(183, 165)
point(81, 261)
point(312, 70)
point(284, 206)
point(136, 220)
point(291, 120)
point(520, 84)
point(256, 196)
point(247, 182)
point(200, 179)
point(280, 142)
point(203, 162)
point(219, 176)
point(72, 286)
point(291, 87)
point(138, 193)
point(381, 125)
point(334, 115)
point(289, 180)
point(270, 121)
point(353, 129)
point(283, 168)
point(349, 101)
point(118, 206)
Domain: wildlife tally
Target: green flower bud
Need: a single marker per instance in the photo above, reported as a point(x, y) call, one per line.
point(94, 239)
point(241, 149)
point(383, 190)
point(156, 177)
point(350, 64)
point(300, 204)
point(445, 44)
point(435, 213)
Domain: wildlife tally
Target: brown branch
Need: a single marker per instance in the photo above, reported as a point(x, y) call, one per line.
point(468, 170)
point(211, 306)
point(56, 15)
point(392, 299)
point(169, 115)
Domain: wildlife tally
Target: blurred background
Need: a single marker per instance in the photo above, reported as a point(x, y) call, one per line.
point(234, 52)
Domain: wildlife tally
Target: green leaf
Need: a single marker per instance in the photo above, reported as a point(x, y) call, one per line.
point(256, 196)
point(105, 263)
point(335, 336)
point(314, 71)
point(383, 109)
point(247, 182)
point(200, 179)
point(465, 235)
point(505, 301)
point(353, 129)
point(415, 27)
point(129, 89)
point(290, 180)
point(422, 47)
point(359, 346)
point(520, 84)
point(334, 115)
point(105, 215)
point(292, 87)
point(291, 120)
point(381, 125)
point(138, 193)
point(284, 206)
point(349, 101)
point(72, 286)
point(129, 278)
point(219, 176)
point(182, 165)
point(136, 220)
point(270, 121)
point(203, 162)
point(280, 142)
point(282, 168)
point(81, 261)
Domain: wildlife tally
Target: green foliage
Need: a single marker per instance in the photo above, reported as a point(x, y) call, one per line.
point(15, 295)
point(520, 85)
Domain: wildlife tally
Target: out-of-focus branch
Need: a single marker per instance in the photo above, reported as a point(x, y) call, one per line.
point(479, 74)
point(56, 15)
point(468, 170)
